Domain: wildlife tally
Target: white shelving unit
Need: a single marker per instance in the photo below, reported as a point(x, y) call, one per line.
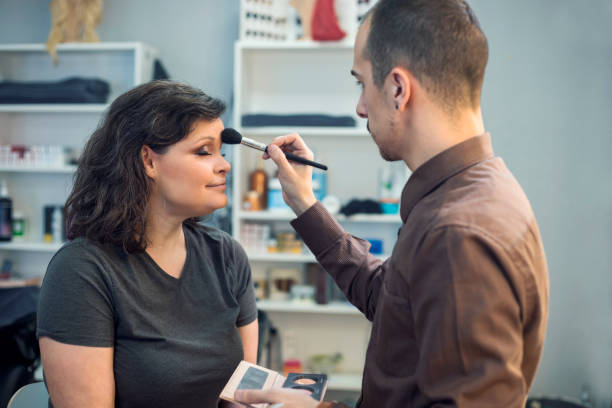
point(296, 78)
point(122, 64)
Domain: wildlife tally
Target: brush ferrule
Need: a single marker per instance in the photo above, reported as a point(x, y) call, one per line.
point(252, 143)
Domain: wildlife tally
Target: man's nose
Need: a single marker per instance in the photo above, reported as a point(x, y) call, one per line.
point(361, 110)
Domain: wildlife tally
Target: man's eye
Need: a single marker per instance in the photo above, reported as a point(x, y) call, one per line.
point(359, 84)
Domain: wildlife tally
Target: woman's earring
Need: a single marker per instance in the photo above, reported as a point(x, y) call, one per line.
point(396, 107)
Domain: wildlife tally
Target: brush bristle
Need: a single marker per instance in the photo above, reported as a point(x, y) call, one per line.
point(230, 136)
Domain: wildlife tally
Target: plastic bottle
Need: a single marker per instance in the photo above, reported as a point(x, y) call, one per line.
point(6, 213)
point(19, 225)
point(56, 224)
point(259, 184)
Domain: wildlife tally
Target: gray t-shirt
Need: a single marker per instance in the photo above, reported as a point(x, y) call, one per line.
point(175, 341)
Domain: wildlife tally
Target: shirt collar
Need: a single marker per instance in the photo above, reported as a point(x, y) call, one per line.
point(441, 167)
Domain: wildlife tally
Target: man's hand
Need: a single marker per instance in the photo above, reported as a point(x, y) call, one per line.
point(295, 178)
point(287, 398)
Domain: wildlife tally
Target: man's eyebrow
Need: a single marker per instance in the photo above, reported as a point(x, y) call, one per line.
point(355, 74)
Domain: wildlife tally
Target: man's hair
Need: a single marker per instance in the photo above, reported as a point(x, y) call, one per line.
point(111, 190)
point(439, 41)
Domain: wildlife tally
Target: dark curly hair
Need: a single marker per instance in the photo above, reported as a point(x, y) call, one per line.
point(439, 41)
point(111, 190)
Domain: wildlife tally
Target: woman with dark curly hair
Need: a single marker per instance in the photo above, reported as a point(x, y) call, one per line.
point(145, 307)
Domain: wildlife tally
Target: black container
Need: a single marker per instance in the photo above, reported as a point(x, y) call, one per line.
point(6, 219)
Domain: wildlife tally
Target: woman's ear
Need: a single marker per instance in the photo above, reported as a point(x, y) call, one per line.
point(148, 160)
point(400, 86)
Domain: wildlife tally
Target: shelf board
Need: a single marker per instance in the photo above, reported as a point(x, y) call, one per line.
point(74, 46)
point(287, 215)
point(30, 246)
point(296, 45)
point(54, 108)
point(68, 169)
point(306, 131)
point(288, 306)
point(344, 382)
point(373, 218)
point(281, 257)
point(298, 258)
point(270, 215)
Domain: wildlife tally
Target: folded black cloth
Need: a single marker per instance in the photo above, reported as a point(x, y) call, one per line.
point(366, 206)
point(70, 90)
point(259, 119)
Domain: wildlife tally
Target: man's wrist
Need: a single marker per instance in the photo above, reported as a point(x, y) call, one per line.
point(300, 207)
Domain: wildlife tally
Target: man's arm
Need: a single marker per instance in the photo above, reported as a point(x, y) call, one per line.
point(347, 258)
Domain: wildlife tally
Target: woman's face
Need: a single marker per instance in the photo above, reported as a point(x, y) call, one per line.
point(189, 179)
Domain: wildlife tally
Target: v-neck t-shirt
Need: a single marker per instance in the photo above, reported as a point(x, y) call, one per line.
point(175, 340)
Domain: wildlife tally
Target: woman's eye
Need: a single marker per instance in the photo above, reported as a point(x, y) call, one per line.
point(203, 152)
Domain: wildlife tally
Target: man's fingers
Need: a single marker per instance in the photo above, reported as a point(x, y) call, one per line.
point(293, 143)
point(279, 158)
point(254, 396)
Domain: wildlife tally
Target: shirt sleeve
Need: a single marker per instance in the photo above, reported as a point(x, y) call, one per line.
point(245, 293)
point(75, 304)
point(346, 258)
point(468, 321)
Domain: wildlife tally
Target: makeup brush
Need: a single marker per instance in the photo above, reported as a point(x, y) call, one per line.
point(232, 136)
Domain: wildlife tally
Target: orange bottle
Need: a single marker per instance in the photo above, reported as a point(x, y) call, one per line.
point(259, 184)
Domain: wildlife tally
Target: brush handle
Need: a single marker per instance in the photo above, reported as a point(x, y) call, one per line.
point(299, 159)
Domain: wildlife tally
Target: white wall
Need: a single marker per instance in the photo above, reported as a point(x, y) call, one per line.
point(547, 103)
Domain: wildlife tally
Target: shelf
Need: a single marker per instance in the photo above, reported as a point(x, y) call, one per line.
point(54, 108)
point(30, 246)
point(68, 169)
point(288, 306)
point(344, 382)
point(306, 131)
point(299, 258)
point(278, 257)
point(287, 215)
point(295, 45)
point(75, 46)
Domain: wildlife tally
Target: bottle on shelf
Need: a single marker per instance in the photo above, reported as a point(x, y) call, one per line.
point(259, 184)
point(19, 225)
point(6, 213)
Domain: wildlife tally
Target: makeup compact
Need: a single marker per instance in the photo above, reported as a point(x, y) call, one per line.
point(252, 376)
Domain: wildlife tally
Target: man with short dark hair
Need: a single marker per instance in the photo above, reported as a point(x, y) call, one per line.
point(459, 309)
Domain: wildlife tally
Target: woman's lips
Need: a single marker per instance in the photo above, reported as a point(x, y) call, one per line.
point(220, 186)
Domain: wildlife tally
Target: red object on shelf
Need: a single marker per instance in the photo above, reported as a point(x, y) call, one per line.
point(292, 366)
point(324, 24)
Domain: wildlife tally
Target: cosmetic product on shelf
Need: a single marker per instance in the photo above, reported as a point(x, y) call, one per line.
point(6, 213)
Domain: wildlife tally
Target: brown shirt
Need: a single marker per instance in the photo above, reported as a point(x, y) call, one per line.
point(459, 309)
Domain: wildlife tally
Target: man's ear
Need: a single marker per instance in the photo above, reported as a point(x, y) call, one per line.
point(148, 160)
point(399, 82)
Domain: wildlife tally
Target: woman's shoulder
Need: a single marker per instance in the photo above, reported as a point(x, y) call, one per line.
point(206, 235)
point(210, 234)
point(83, 247)
point(79, 263)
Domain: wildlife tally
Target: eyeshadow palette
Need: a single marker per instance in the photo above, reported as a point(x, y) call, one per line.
point(251, 376)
